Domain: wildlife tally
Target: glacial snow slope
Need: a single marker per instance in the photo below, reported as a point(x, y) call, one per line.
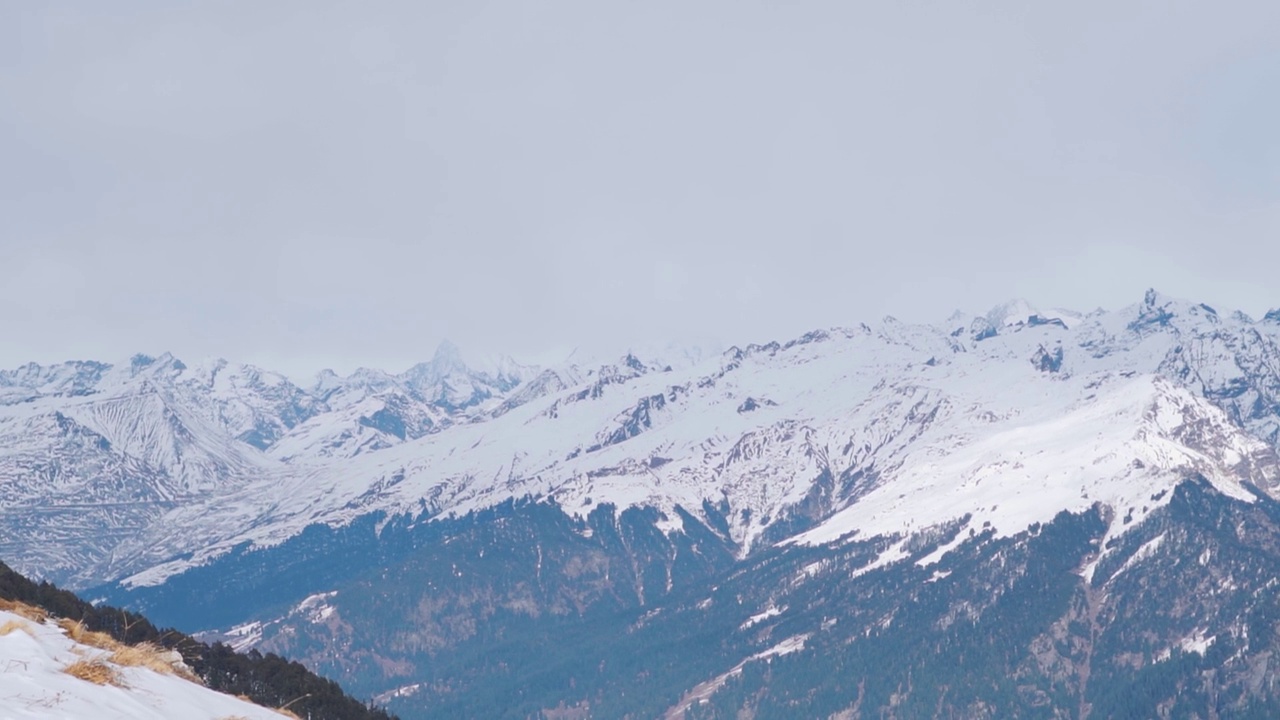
point(1006, 418)
point(33, 684)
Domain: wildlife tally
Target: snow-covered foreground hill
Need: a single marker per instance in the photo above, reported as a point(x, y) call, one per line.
point(151, 467)
point(35, 683)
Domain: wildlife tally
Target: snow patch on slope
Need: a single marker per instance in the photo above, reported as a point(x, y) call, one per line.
point(33, 684)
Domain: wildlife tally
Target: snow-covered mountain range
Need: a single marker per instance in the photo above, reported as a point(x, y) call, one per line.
point(151, 466)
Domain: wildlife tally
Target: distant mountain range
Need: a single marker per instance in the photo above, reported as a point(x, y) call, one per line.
point(855, 490)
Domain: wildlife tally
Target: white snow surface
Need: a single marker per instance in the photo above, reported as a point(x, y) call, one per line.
point(769, 612)
point(1008, 417)
point(34, 686)
point(1119, 449)
point(316, 607)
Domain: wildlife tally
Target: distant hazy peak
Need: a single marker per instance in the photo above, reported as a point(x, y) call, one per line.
point(1013, 312)
point(449, 356)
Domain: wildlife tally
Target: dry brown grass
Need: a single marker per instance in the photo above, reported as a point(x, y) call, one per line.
point(13, 625)
point(78, 632)
point(285, 711)
point(144, 655)
point(153, 657)
point(93, 670)
point(30, 612)
point(147, 655)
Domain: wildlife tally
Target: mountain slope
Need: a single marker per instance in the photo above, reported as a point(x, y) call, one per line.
point(126, 651)
point(37, 684)
point(1178, 618)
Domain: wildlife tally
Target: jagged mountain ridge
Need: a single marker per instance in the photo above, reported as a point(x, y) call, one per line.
point(94, 454)
point(181, 464)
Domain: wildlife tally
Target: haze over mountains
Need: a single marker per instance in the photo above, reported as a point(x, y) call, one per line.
point(386, 527)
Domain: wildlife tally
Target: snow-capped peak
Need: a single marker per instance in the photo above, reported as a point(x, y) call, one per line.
point(446, 360)
point(1013, 312)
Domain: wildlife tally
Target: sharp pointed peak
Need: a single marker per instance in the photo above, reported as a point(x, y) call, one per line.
point(446, 360)
point(1154, 298)
point(447, 351)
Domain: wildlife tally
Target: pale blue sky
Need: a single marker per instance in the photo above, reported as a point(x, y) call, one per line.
point(315, 184)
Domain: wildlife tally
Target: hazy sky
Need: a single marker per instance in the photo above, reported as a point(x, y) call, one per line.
point(305, 184)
